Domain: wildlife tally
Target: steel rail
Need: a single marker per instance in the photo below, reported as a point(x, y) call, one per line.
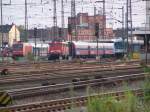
point(57, 71)
point(63, 104)
point(61, 67)
point(77, 68)
point(60, 74)
point(37, 91)
point(51, 62)
point(52, 79)
point(13, 67)
point(52, 66)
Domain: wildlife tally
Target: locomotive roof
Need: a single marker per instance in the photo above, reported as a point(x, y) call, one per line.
point(39, 45)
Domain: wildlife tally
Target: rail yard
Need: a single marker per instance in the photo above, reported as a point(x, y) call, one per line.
point(74, 55)
point(56, 86)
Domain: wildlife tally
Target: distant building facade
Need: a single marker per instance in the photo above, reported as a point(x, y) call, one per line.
point(147, 14)
point(10, 34)
point(85, 27)
point(48, 34)
point(85, 30)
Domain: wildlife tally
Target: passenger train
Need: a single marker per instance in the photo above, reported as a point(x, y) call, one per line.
point(53, 50)
point(114, 47)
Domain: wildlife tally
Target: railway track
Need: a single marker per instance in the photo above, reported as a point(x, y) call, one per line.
point(45, 62)
point(34, 67)
point(63, 104)
point(70, 67)
point(55, 67)
point(58, 88)
point(69, 70)
point(66, 76)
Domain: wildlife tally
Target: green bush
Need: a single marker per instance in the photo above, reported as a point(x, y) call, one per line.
point(147, 84)
point(110, 104)
point(147, 89)
point(105, 104)
point(130, 103)
point(146, 69)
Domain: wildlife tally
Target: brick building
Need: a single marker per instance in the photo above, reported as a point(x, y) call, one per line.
point(85, 27)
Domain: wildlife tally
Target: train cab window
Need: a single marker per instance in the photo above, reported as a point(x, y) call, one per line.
point(17, 46)
point(52, 45)
point(119, 45)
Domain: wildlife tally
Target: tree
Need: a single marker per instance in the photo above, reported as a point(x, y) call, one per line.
point(22, 33)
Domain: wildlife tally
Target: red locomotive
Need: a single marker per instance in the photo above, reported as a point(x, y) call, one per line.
point(21, 49)
point(57, 49)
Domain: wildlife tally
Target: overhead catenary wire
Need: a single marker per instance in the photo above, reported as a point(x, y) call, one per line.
point(79, 5)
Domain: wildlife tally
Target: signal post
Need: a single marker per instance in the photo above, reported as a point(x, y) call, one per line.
point(97, 37)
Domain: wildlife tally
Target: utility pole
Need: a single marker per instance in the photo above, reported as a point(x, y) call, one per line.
point(146, 45)
point(73, 16)
point(71, 27)
point(2, 35)
point(123, 38)
point(70, 45)
point(35, 36)
point(104, 25)
point(55, 21)
point(104, 20)
point(129, 26)
point(122, 22)
point(96, 31)
point(62, 19)
point(1, 22)
point(26, 21)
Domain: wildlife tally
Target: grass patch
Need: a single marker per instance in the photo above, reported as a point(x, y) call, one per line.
point(130, 103)
point(110, 104)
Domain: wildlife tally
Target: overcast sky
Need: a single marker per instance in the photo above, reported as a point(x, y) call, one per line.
point(41, 15)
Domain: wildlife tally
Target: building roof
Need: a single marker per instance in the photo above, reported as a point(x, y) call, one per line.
point(5, 28)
